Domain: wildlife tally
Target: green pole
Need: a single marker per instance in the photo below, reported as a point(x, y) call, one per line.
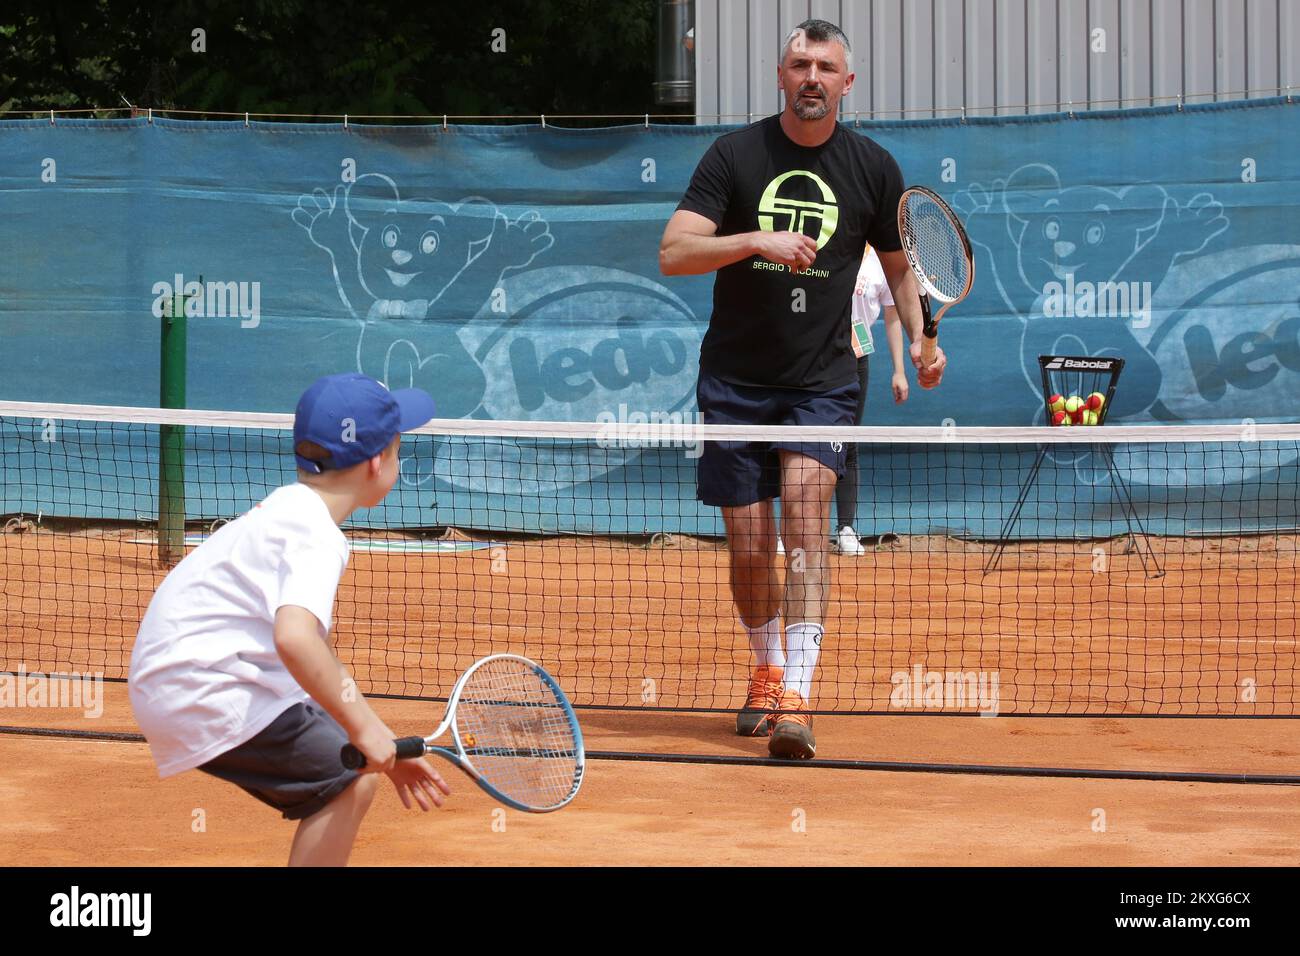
point(171, 451)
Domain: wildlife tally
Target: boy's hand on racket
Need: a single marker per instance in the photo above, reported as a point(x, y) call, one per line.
point(928, 375)
point(792, 249)
point(376, 743)
point(899, 384)
point(417, 780)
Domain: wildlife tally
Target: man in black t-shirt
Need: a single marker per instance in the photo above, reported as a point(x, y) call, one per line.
point(782, 210)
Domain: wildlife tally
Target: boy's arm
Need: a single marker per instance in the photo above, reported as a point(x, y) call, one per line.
point(321, 674)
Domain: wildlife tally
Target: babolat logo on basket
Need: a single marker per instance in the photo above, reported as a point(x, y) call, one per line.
point(1061, 363)
point(75, 908)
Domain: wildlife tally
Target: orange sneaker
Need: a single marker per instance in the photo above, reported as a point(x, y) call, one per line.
point(792, 735)
point(764, 696)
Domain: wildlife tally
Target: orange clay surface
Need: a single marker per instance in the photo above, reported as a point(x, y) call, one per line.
point(75, 802)
point(621, 625)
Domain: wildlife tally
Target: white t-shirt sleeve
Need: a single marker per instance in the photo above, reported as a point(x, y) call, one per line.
point(309, 577)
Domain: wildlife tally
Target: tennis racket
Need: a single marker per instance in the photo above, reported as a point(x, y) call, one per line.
point(940, 256)
point(514, 733)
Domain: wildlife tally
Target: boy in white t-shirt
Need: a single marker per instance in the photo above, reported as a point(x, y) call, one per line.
point(871, 297)
point(232, 671)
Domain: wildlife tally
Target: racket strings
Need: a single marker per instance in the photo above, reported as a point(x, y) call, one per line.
point(518, 734)
point(933, 243)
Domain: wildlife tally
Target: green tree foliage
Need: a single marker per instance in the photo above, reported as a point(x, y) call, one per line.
point(345, 56)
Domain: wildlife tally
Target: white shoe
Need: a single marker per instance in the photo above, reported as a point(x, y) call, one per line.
point(849, 543)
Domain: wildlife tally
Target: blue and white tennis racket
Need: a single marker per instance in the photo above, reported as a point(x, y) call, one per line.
point(515, 735)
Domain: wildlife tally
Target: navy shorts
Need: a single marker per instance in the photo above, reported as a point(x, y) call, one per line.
point(292, 765)
point(732, 474)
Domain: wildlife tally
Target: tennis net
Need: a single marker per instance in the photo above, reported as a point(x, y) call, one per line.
point(1139, 571)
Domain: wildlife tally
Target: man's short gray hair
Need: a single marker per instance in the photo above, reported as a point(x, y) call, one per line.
point(819, 31)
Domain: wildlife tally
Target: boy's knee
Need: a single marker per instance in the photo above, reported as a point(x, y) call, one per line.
point(366, 786)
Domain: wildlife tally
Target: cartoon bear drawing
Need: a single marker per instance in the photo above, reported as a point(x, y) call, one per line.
point(1059, 239)
point(413, 273)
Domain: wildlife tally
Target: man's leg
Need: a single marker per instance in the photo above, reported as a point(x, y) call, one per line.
point(756, 589)
point(806, 490)
point(751, 545)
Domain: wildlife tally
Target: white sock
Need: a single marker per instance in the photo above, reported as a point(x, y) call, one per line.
point(804, 641)
point(765, 642)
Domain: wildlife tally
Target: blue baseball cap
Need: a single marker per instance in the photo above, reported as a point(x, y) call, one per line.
point(354, 417)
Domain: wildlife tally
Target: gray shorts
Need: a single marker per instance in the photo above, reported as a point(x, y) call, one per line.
point(293, 765)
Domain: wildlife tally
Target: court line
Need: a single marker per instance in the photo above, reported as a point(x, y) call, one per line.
point(887, 766)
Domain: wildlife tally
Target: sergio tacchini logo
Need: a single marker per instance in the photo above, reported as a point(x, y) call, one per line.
point(799, 211)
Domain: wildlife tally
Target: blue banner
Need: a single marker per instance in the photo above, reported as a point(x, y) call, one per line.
point(513, 273)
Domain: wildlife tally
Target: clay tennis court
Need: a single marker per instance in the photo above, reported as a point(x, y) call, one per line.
point(609, 616)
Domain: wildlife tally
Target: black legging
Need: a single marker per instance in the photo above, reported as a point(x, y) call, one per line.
point(846, 490)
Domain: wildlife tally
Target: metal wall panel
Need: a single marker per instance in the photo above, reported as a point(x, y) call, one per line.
point(920, 58)
point(1010, 52)
point(1288, 37)
point(1261, 56)
point(886, 58)
point(1135, 66)
point(981, 82)
point(1043, 56)
point(1101, 51)
point(1072, 51)
point(1229, 49)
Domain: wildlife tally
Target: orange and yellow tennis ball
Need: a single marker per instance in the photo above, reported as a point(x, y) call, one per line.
point(1056, 403)
point(1095, 401)
point(1074, 408)
point(1090, 417)
point(1059, 417)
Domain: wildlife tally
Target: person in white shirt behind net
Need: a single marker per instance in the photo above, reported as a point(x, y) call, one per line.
point(871, 297)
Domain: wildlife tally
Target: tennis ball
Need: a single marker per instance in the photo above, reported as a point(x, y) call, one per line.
point(1073, 404)
point(1089, 417)
point(1056, 403)
point(1059, 417)
point(1096, 400)
point(1067, 420)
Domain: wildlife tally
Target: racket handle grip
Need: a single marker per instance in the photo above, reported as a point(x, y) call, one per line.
point(929, 343)
point(407, 749)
